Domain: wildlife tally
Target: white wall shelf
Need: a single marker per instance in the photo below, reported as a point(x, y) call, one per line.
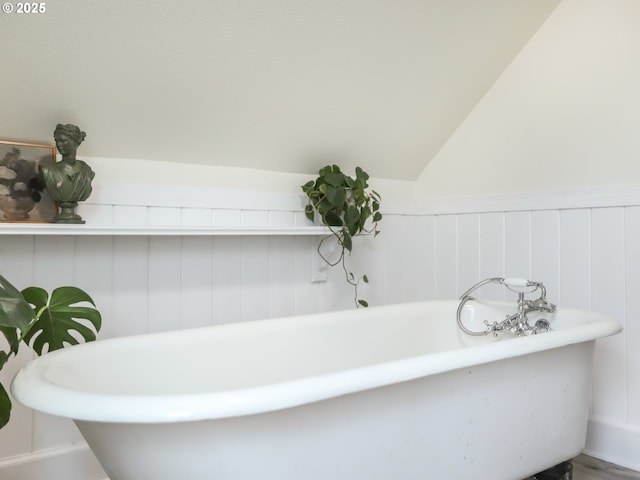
point(96, 230)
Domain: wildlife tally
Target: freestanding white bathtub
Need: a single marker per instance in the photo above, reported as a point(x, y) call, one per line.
point(384, 393)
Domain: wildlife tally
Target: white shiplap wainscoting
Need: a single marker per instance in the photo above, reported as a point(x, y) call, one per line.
point(585, 249)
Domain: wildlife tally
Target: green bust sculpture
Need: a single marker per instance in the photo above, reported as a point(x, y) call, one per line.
point(69, 180)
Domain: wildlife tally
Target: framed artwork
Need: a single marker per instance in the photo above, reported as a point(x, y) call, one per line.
point(22, 197)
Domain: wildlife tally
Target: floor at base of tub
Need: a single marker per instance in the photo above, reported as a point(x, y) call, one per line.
point(589, 468)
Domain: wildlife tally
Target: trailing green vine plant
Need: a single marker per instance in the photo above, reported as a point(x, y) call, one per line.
point(42, 322)
point(348, 208)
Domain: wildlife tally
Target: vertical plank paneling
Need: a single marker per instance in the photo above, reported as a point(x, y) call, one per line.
point(376, 258)
point(54, 261)
point(307, 294)
point(575, 258)
point(447, 256)
point(227, 280)
point(255, 278)
point(587, 259)
point(632, 313)
point(17, 260)
point(492, 251)
point(196, 296)
point(281, 279)
point(419, 257)
point(54, 266)
point(336, 293)
point(517, 253)
point(545, 251)
point(395, 248)
point(164, 283)
point(17, 265)
point(608, 296)
point(468, 251)
point(93, 273)
point(130, 286)
point(16, 437)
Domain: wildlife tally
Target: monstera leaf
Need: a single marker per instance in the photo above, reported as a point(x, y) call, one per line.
point(15, 314)
point(14, 311)
point(42, 322)
point(57, 318)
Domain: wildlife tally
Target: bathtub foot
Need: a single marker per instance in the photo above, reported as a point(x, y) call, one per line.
point(562, 471)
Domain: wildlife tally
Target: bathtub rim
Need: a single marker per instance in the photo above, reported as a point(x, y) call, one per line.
point(32, 390)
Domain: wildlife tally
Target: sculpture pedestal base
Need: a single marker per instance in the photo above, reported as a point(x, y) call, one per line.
point(68, 213)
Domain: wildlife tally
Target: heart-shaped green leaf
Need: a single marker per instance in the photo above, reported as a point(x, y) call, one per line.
point(335, 179)
point(352, 215)
point(336, 196)
point(344, 201)
point(309, 212)
point(332, 219)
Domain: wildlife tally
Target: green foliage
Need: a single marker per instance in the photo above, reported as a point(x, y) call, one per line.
point(348, 208)
point(14, 311)
point(5, 406)
point(37, 320)
point(56, 320)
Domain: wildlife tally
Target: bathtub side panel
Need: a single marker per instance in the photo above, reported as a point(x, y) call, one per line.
point(524, 414)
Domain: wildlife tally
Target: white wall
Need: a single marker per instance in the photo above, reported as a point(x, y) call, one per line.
point(580, 249)
point(563, 116)
point(146, 284)
point(558, 132)
point(278, 85)
point(588, 258)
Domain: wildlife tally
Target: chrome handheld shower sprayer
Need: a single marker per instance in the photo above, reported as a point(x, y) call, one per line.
point(516, 323)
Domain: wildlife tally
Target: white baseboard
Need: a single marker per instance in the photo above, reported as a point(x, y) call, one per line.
point(614, 442)
point(73, 462)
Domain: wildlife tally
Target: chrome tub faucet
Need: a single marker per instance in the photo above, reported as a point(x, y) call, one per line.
point(518, 322)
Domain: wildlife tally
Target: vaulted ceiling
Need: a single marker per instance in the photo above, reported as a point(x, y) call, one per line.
point(284, 85)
